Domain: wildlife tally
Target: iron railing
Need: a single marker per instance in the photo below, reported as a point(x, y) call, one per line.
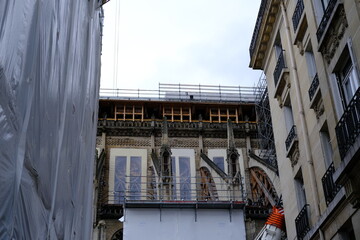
point(313, 87)
point(184, 92)
point(330, 188)
point(299, 9)
point(175, 189)
point(348, 128)
point(257, 26)
point(280, 65)
point(302, 223)
point(291, 137)
point(325, 19)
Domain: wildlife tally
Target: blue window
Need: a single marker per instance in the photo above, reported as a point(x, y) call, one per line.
point(219, 161)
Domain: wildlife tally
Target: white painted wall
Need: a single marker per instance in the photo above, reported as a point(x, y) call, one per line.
point(180, 224)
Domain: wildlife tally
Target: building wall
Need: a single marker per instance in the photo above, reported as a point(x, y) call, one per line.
point(311, 117)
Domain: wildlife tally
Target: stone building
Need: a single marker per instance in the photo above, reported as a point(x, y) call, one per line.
point(309, 51)
point(185, 156)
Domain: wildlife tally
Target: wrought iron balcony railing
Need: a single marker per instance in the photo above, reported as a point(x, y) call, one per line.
point(257, 26)
point(299, 9)
point(348, 128)
point(325, 19)
point(291, 137)
point(280, 65)
point(302, 223)
point(314, 86)
point(330, 188)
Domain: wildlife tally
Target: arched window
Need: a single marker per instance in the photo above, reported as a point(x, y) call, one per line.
point(263, 192)
point(207, 185)
point(118, 235)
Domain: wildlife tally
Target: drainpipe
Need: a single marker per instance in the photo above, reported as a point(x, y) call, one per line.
point(301, 114)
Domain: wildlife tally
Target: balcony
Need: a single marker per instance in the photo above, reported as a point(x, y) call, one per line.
point(326, 19)
point(348, 128)
point(280, 74)
point(291, 140)
point(302, 223)
point(299, 10)
point(314, 87)
point(329, 186)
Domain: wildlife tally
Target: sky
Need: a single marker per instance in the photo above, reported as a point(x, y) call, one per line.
point(147, 42)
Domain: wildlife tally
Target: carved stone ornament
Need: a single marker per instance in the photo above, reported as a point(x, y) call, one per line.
point(334, 34)
point(294, 158)
point(319, 109)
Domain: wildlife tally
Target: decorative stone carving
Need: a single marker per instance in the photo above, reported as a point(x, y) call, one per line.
point(334, 34)
point(319, 109)
point(294, 158)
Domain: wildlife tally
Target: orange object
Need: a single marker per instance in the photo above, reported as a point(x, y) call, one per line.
point(277, 218)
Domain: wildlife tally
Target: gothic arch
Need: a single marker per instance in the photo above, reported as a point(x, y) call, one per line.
point(208, 187)
point(263, 192)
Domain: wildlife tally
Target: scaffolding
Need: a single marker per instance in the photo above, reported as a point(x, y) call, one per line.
point(265, 130)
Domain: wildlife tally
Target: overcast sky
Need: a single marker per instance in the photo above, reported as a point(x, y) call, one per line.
point(147, 42)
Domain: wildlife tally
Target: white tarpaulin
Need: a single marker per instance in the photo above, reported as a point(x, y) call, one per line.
point(49, 82)
point(180, 224)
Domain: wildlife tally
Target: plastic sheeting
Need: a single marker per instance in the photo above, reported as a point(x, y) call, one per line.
point(49, 82)
point(180, 224)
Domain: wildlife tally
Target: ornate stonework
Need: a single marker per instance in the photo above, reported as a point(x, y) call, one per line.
point(334, 34)
point(294, 158)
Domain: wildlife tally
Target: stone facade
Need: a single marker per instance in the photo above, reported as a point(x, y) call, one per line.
point(309, 51)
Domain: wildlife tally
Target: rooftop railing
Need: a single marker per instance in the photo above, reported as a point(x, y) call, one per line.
point(182, 92)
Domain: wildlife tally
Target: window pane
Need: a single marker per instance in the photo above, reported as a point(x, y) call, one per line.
point(120, 171)
point(184, 169)
point(219, 161)
point(173, 171)
point(135, 178)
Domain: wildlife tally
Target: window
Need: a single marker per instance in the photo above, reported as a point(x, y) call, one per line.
point(219, 161)
point(122, 180)
point(120, 174)
point(185, 181)
point(347, 75)
point(326, 146)
point(300, 190)
point(135, 178)
point(320, 7)
point(310, 61)
point(288, 114)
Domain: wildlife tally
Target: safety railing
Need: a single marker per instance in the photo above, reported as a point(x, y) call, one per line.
point(348, 128)
point(174, 189)
point(329, 186)
point(184, 92)
point(325, 19)
point(302, 223)
point(280, 65)
point(313, 87)
point(299, 9)
point(290, 138)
